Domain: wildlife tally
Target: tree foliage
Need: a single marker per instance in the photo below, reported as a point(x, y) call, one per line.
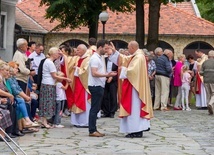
point(76, 13)
point(206, 8)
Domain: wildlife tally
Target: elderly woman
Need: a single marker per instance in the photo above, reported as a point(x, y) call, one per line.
point(5, 120)
point(47, 101)
point(151, 73)
point(20, 96)
point(4, 93)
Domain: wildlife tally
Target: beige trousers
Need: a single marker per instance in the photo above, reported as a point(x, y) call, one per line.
point(209, 87)
point(161, 91)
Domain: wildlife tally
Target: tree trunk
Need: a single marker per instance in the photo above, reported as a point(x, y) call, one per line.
point(93, 28)
point(153, 32)
point(140, 30)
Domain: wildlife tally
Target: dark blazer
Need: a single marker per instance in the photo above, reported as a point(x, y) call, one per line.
point(114, 68)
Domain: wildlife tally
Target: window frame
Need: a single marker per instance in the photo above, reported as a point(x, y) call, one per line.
point(4, 30)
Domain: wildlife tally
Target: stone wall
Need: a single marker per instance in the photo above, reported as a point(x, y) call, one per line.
point(177, 42)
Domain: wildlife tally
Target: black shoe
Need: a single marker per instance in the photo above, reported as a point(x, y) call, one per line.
point(78, 126)
point(111, 116)
point(6, 138)
point(11, 135)
point(137, 134)
point(104, 115)
point(129, 135)
point(19, 134)
point(147, 129)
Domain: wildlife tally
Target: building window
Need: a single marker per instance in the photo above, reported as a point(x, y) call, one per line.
point(3, 30)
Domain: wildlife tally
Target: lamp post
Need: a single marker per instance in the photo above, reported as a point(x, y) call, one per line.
point(103, 17)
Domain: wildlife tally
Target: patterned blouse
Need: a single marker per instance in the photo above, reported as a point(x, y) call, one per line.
point(151, 67)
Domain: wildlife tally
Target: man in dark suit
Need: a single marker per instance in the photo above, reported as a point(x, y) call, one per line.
point(109, 104)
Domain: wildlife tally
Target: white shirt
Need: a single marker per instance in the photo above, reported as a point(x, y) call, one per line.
point(48, 68)
point(109, 66)
point(36, 60)
point(96, 61)
point(60, 93)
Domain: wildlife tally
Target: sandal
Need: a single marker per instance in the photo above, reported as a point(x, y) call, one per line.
point(46, 126)
point(33, 129)
point(26, 130)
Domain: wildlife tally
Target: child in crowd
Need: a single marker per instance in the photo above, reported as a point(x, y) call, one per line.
point(60, 100)
point(186, 79)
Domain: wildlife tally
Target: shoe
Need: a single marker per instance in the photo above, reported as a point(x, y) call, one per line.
point(5, 138)
point(104, 115)
point(183, 109)
point(79, 126)
point(147, 129)
point(188, 109)
point(46, 126)
point(95, 134)
point(26, 130)
point(170, 105)
point(129, 135)
point(165, 109)
point(59, 126)
point(177, 108)
point(11, 135)
point(64, 115)
point(210, 109)
point(35, 124)
point(19, 134)
point(135, 135)
point(101, 134)
point(111, 116)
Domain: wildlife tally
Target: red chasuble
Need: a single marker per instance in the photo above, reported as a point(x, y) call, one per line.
point(69, 93)
point(79, 93)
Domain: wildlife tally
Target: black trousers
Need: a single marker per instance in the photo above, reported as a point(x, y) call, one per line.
point(109, 104)
point(96, 99)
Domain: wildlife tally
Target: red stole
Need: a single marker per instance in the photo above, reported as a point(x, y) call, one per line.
point(68, 92)
point(126, 98)
point(79, 93)
point(198, 84)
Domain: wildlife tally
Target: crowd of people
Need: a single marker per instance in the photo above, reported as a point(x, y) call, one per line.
point(87, 83)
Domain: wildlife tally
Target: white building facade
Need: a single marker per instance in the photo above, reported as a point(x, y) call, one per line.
point(7, 29)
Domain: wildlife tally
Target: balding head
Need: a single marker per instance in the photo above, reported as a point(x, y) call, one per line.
point(133, 46)
point(81, 49)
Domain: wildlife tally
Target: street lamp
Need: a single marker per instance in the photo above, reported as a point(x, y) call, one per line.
point(103, 17)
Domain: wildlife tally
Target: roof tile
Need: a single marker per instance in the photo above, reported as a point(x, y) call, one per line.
point(172, 21)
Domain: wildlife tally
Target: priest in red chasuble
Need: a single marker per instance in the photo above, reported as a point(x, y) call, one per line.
point(81, 106)
point(135, 103)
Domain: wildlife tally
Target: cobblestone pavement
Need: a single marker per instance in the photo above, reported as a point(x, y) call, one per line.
point(172, 133)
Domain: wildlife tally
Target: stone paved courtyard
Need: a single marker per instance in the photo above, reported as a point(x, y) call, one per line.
point(172, 133)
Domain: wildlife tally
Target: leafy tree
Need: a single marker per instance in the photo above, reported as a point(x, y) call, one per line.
point(140, 28)
point(154, 15)
point(76, 13)
point(206, 8)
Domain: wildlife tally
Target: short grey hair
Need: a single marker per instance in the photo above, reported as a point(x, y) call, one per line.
point(211, 53)
point(20, 42)
point(167, 51)
point(158, 49)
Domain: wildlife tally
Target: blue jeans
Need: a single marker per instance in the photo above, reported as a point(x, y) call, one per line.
point(96, 99)
point(59, 107)
point(21, 107)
